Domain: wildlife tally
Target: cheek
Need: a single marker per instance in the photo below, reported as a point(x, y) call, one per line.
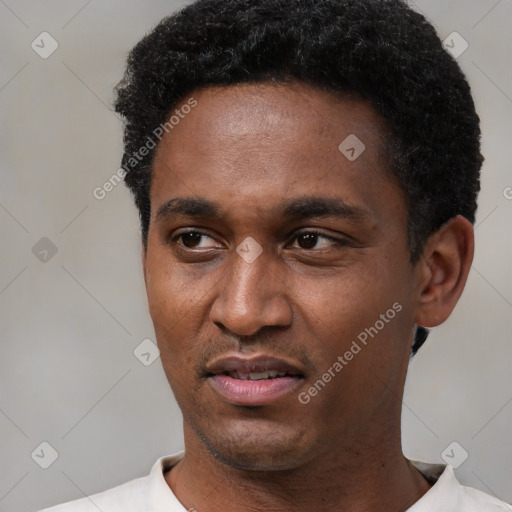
point(170, 294)
point(172, 307)
point(346, 300)
point(365, 306)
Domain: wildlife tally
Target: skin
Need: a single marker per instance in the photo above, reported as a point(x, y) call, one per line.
point(248, 148)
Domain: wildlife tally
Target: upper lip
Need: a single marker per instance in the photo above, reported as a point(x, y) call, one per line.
point(254, 364)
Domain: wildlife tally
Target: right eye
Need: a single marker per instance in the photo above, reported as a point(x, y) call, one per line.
point(192, 239)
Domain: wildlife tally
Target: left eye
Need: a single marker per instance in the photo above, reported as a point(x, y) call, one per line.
point(309, 240)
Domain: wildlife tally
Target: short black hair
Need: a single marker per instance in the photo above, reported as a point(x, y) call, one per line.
point(379, 50)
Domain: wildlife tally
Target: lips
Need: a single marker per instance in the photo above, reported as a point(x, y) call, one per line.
point(253, 381)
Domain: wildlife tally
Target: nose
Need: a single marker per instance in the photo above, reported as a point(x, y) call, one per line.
point(251, 296)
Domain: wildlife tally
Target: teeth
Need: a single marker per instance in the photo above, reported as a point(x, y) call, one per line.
point(274, 374)
point(259, 376)
point(271, 374)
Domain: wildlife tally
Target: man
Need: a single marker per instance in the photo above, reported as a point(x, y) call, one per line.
point(306, 207)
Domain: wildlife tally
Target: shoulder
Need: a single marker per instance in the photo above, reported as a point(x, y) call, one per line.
point(127, 497)
point(475, 500)
point(449, 495)
point(146, 493)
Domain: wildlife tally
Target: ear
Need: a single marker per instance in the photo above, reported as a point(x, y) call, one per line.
point(443, 271)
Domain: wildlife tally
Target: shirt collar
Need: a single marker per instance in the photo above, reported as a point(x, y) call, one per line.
point(442, 493)
point(160, 496)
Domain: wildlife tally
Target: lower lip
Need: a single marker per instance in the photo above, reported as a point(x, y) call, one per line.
point(252, 392)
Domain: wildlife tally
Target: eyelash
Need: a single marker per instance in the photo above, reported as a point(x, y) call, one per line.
point(336, 241)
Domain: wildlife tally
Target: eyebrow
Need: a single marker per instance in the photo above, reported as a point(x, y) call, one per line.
point(308, 207)
point(298, 208)
point(187, 207)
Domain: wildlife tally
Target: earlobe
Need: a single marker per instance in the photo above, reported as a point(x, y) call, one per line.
point(445, 265)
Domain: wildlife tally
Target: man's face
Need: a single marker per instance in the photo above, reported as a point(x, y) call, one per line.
point(278, 252)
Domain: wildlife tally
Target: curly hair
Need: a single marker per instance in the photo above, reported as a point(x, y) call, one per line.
point(381, 51)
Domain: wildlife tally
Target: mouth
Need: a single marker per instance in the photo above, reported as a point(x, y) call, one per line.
point(255, 381)
point(261, 375)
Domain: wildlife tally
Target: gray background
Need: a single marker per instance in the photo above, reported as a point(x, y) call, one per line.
point(69, 325)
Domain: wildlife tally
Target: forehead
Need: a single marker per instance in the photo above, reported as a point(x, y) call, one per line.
point(272, 112)
point(270, 141)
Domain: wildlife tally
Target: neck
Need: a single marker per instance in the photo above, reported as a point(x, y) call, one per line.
point(367, 474)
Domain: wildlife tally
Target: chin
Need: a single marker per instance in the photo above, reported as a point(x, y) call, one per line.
point(257, 446)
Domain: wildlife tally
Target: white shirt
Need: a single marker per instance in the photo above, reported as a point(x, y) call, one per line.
point(152, 494)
